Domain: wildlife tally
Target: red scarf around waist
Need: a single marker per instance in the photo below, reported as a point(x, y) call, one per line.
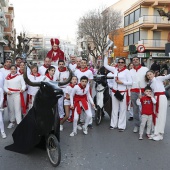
point(83, 100)
point(23, 106)
point(137, 90)
point(157, 99)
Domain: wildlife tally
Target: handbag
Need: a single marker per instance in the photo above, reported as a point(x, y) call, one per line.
point(119, 96)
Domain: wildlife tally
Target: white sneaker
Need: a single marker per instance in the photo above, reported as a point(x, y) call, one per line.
point(11, 125)
point(85, 131)
point(135, 130)
point(79, 127)
point(140, 137)
point(73, 134)
point(61, 127)
point(157, 138)
point(3, 135)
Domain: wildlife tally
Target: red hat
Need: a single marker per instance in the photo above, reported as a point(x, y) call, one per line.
point(54, 41)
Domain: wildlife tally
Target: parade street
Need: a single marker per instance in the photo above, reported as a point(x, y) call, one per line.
point(101, 149)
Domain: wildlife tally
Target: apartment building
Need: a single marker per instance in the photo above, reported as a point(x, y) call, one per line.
point(3, 24)
point(144, 28)
point(9, 29)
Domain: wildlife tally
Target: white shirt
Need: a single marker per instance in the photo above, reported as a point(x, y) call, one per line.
point(33, 90)
point(1, 80)
point(123, 76)
point(157, 83)
point(110, 81)
point(87, 73)
point(5, 72)
point(15, 83)
point(72, 67)
point(138, 77)
point(42, 70)
point(1, 96)
point(77, 90)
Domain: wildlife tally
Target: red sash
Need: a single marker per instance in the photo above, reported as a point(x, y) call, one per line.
point(137, 90)
point(22, 100)
point(83, 100)
point(157, 99)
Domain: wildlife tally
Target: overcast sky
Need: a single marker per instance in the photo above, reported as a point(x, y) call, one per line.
point(53, 17)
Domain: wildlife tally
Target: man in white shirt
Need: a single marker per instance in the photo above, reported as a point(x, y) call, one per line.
point(6, 69)
point(138, 73)
point(45, 66)
point(72, 65)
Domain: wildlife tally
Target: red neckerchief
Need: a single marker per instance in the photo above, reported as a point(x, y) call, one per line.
point(64, 69)
point(78, 67)
point(72, 85)
point(124, 68)
point(47, 75)
point(6, 68)
point(137, 68)
point(38, 75)
point(21, 72)
point(9, 77)
point(73, 63)
point(85, 69)
point(83, 88)
point(46, 66)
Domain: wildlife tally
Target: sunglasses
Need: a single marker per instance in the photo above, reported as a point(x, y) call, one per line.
point(121, 62)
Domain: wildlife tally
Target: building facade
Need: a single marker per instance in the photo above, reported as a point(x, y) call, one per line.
point(144, 28)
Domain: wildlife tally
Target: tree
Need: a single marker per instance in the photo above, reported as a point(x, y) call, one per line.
point(42, 54)
point(97, 26)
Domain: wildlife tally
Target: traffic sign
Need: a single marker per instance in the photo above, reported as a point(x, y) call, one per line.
point(141, 48)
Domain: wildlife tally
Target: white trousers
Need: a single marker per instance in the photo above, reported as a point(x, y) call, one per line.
point(1, 122)
point(145, 119)
point(161, 119)
point(60, 107)
point(88, 117)
point(31, 104)
point(14, 104)
point(131, 112)
point(116, 104)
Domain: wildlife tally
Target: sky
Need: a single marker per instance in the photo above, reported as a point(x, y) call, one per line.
point(53, 17)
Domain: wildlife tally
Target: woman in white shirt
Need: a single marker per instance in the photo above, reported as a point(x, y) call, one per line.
point(34, 77)
point(158, 88)
point(122, 79)
point(14, 86)
point(49, 74)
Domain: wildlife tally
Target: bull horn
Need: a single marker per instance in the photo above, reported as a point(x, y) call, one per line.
point(30, 83)
point(68, 80)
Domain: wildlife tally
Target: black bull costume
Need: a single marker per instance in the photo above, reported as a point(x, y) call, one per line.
point(39, 121)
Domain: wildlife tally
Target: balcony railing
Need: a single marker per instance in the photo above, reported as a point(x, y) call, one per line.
point(3, 21)
point(148, 19)
point(153, 43)
point(4, 3)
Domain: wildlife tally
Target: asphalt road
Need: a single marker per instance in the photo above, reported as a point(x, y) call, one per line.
point(101, 149)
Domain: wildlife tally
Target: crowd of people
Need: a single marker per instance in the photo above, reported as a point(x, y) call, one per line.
point(134, 88)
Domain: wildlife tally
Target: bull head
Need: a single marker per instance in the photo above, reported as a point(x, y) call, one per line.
point(30, 83)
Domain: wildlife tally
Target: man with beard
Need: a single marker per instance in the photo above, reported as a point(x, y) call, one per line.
point(45, 66)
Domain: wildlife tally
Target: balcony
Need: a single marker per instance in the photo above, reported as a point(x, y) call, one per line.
point(3, 21)
point(153, 44)
point(4, 3)
point(151, 21)
point(2, 40)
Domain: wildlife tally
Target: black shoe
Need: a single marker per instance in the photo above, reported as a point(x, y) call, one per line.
point(121, 130)
point(130, 119)
point(90, 126)
point(111, 127)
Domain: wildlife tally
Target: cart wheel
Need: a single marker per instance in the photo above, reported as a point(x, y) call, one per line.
point(53, 150)
point(98, 115)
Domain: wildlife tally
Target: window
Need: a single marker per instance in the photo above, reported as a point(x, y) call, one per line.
point(126, 40)
point(137, 15)
point(136, 37)
point(131, 39)
point(131, 18)
point(126, 20)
